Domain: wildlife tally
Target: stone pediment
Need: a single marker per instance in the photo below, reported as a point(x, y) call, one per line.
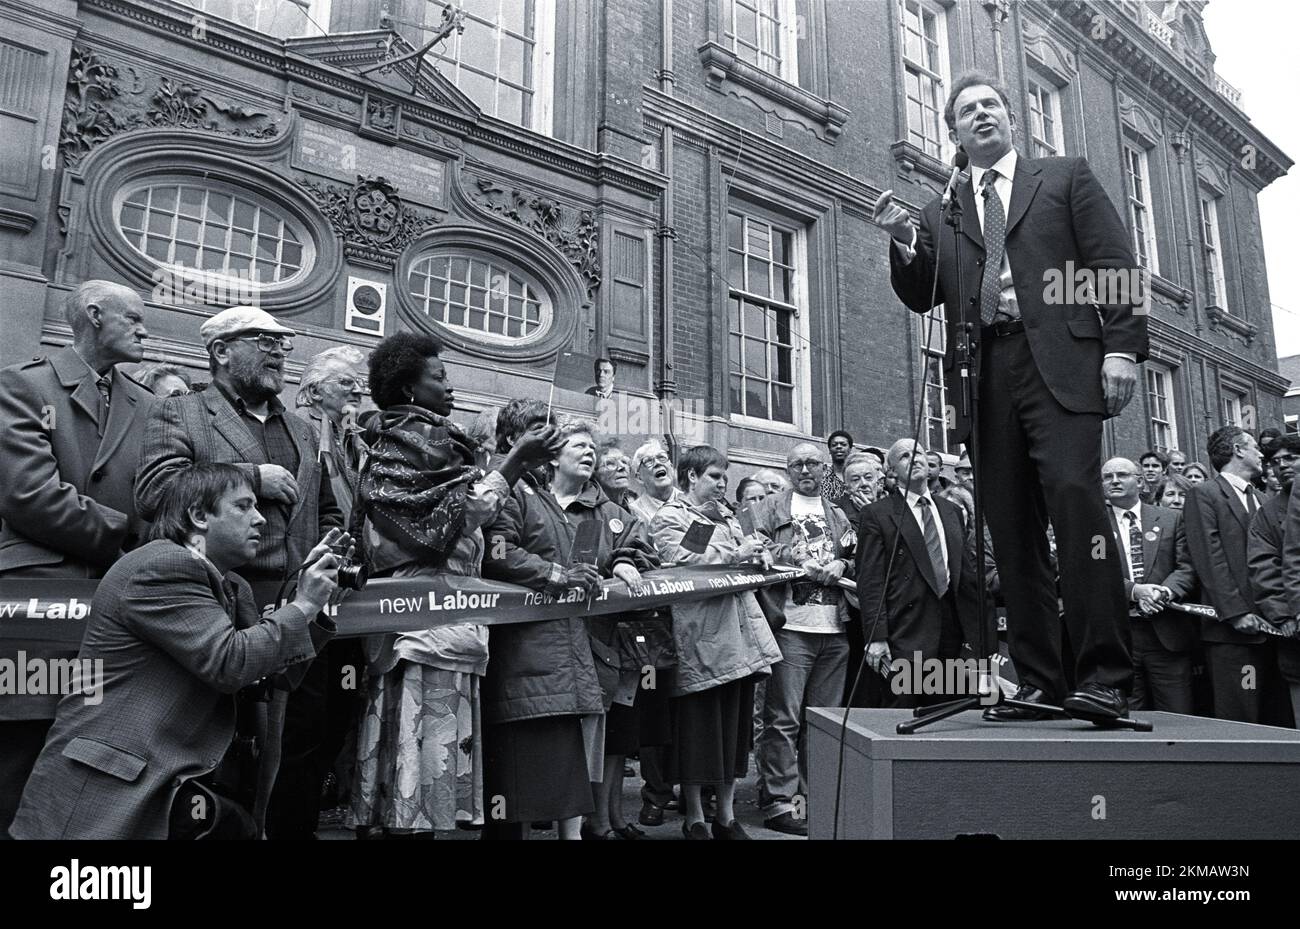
point(362, 51)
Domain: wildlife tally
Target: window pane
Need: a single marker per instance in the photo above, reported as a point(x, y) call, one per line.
point(755, 323)
point(737, 395)
point(735, 231)
point(746, 25)
point(131, 217)
point(510, 104)
point(480, 89)
point(516, 61)
point(245, 213)
point(755, 358)
point(757, 278)
point(756, 399)
point(191, 201)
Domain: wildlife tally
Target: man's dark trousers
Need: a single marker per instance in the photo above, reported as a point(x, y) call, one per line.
point(1020, 418)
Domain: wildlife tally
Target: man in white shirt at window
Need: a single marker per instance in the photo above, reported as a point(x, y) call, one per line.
point(1051, 374)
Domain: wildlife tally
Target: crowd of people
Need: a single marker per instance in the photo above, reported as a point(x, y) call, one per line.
point(177, 496)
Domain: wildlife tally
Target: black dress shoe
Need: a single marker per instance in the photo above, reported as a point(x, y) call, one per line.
point(1096, 703)
point(731, 833)
point(650, 815)
point(696, 832)
point(1005, 713)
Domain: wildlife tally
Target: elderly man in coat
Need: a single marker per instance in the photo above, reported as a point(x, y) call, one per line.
point(177, 636)
point(240, 420)
point(70, 430)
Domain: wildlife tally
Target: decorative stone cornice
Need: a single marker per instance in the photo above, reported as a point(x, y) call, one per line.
point(1221, 319)
point(721, 65)
point(1168, 334)
point(17, 220)
point(1128, 47)
point(1044, 48)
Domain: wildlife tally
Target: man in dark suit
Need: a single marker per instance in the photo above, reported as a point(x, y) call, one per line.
point(1240, 656)
point(931, 602)
point(1048, 376)
point(1157, 571)
point(1266, 555)
point(177, 636)
point(240, 420)
point(70, 430)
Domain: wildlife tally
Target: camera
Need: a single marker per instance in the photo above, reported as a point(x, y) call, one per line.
point(353, 575)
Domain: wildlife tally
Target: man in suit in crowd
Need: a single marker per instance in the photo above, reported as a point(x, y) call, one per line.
point(1240, 656)
point(1266, 556)
point(240, 420)
point(70, 430)
point(1157, 571)
point(931, 603)
point(178, 636)
point(1048, 376)
point(1153, 476)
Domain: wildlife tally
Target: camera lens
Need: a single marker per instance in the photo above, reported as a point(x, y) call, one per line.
point(353, 576)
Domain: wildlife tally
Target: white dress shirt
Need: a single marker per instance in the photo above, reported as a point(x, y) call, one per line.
point(1008, 305)
point(1240, 485)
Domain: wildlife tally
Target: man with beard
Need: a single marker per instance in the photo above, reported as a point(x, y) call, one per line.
point(240, 420)
point(1266, 544)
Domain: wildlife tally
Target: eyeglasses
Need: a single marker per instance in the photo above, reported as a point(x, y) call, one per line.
point(267, 342)
point(656, 460)
point(346, 381)
point(809, 465)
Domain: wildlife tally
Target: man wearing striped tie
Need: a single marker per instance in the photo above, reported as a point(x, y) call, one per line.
point(1157, 571)
point(1050, 371)
point(931, 602)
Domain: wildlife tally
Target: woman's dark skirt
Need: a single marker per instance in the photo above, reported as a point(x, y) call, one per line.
point(539, 767)
point(645, 723)
point(712, 734)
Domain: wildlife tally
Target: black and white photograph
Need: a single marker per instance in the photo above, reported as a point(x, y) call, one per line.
point(649, 421)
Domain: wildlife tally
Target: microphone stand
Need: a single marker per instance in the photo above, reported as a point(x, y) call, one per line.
point(964, 353)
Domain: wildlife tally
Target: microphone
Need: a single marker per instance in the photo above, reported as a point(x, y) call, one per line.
point(959, 163)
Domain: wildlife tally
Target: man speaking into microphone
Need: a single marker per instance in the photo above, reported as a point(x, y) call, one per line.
point(1048, 376)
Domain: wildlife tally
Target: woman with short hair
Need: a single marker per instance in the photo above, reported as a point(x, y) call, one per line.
point(721, 643)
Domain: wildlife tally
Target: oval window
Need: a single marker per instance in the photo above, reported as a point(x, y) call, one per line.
point(480, 295)
point(215, 230)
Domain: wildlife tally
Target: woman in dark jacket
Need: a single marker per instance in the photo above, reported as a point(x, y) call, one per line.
point(421, 501)
point(543, 705)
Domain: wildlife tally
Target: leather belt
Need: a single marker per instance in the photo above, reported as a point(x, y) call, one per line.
point(1005, 327)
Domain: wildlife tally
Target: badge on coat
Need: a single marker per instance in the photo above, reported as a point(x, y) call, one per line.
point(616, 525)
point(1153, 535)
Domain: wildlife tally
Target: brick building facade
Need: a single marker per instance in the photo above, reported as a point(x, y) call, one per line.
point(681, 185)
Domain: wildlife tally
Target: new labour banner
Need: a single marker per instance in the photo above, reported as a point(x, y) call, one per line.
point(55, 611)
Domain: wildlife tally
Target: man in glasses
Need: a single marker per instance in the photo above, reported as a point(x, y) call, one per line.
point(240, 420)
point(808, 530)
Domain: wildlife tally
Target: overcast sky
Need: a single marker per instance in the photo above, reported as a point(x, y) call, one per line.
point(1256, 45)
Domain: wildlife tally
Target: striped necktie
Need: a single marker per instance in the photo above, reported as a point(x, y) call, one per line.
point(1137, 570)
point(995, 236)
point(932, 544)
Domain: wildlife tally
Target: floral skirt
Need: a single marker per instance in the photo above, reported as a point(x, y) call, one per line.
point(419, 751)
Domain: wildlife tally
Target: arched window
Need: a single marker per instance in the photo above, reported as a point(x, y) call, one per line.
point(480, 295)
point(187, 224)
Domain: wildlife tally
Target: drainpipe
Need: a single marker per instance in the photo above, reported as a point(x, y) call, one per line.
point(666, 232)
point(999, 11)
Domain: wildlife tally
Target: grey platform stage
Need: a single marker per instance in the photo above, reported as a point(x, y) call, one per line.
point(1190, 778)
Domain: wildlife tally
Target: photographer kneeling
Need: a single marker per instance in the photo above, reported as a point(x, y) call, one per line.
point(179, 636)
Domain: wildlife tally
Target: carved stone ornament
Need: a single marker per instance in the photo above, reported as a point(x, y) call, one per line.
point(95, 109)
point(574, 232)
point(373, 222)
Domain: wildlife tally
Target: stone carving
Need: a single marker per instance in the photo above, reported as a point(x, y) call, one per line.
point(373, 222)
point(87, 117)
point(95, 109)
point(574, 232)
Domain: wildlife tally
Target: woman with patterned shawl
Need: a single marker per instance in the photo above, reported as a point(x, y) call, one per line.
point(420, 506)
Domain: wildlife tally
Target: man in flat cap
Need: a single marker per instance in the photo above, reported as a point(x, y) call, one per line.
point(240, 420)
point(70, 429)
